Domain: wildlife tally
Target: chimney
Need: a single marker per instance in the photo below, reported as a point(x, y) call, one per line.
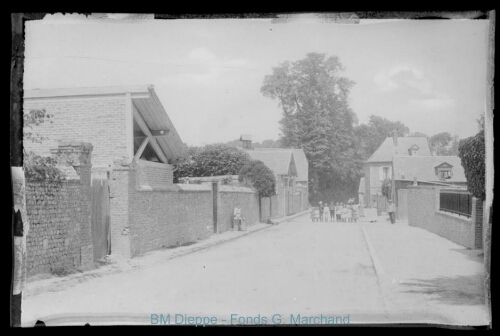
point(395, 137)
point(246, 140)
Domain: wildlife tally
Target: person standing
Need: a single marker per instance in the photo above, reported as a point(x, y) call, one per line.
point(321, 211)
point(332, 212)
point(391, 209)
point(326, 212)
point(361, 209)
point(338, 213)
point(237, 216)
point(355, 212)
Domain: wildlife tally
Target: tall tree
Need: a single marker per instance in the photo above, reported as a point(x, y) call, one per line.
point(317, 118)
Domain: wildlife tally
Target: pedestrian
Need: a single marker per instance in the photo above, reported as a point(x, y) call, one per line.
point(237, 216)
point(320, 211)
point(316, 214)
point(361, 209)
point(355, 212)
point(343, 213)
point(338, 212)
point(312, 214)
point(326, 212)
point(391, 209)
point(332, 212)
point(348, 214)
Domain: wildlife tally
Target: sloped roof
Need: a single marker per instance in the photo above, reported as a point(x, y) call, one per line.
point(280, 160)
point(302, 164)
point(143, 98)
point(387, 149)
point(423, 168)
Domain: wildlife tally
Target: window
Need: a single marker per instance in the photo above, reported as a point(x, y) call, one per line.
point(384, 173)
point(444, 174)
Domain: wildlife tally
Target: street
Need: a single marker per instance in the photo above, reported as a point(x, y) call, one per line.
point(358, 272)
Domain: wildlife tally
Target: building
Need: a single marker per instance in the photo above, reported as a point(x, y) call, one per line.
point(290, 168)
point(380, 165)
point(135, 150)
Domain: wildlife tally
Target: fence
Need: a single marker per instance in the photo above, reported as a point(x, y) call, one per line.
point(456, 201)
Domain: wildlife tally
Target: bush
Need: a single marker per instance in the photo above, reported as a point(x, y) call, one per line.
point(260, 176)
point(472, 153)
point(386, 188)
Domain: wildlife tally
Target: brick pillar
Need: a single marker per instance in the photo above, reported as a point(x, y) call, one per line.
point(78, 154)
point(122, 184)
point(477, 222)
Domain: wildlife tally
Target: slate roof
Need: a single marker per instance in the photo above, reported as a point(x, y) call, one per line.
point(387, 149)
point(423, 168)
point(280, 160)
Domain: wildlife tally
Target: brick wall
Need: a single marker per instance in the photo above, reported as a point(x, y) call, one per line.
point(402, 204)
point(154, 174)
point(423, 212)
point(98, 120)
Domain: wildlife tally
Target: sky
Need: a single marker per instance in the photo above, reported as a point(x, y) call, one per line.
point(430, 75)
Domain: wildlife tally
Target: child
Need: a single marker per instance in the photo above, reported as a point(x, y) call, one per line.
point(355, 212)
point(312, 214)
point(338, 213)
point(332, 212)
point(343, 212)
point(316, 214)
point(326, 213)
point(348, 214)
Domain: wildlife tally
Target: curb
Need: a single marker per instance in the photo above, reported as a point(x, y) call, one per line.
point(56, 285)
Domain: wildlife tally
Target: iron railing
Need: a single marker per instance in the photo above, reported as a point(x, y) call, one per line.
point(456, 201)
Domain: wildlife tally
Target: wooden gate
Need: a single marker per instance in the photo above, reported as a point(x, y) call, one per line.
point(101, 235)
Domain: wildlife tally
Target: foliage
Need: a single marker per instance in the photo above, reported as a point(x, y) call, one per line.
point(212, 160)
point(386, 188)
point(418, 135)
point(35, 166)
point(444, 144)
point(261, 177)
point(370, 136)
point(317, 118)
point(472, 154)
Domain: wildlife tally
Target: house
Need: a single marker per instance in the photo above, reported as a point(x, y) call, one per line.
point(290, 168)
point(445, 171)
point(135, 150)
point(380, 165)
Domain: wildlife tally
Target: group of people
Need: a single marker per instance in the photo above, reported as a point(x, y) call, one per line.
point(338, 212)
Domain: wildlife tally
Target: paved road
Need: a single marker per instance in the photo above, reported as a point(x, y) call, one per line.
point(356, 273)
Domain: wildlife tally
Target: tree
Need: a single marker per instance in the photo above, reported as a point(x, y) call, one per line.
point(317, 118)
point(386, 188)
point(418, 135)
point(472, 153)
point(260, 176)
point(444, 144)
point(38, 167)
point(370, 136)
point(212, 160)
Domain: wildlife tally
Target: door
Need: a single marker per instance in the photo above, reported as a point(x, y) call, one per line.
point(101, 235)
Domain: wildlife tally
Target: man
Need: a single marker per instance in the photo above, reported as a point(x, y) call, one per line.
point(321, 211)
point(391, 209)
point(237, 216)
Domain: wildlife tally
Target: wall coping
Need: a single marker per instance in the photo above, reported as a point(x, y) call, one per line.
point(455, 216)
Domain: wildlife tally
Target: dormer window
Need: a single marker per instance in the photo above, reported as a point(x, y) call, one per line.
point(413, 150)
point(444, 171)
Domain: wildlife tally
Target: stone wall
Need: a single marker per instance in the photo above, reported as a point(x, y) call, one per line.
point(154, 174)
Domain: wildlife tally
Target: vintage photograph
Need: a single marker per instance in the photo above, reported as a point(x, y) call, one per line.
point(304, 169)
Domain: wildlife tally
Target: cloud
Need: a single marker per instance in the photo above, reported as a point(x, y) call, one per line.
point(411, 83)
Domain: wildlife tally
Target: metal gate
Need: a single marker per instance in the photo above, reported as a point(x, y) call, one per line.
point(101, 234)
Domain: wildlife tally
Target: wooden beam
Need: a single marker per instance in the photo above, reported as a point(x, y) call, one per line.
point(155, 133)
point(129, 125)
point(144, 127)
point(141, 149)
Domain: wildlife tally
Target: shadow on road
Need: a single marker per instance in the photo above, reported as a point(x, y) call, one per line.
point(474, 255)
point(459, 290)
